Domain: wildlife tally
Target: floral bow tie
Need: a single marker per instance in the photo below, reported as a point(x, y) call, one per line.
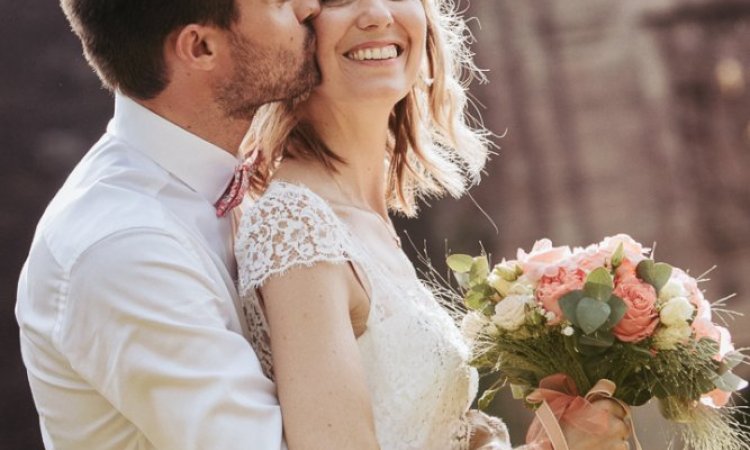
point(240, 183)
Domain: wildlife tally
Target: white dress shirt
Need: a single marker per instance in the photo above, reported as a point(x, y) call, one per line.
point(127, 306)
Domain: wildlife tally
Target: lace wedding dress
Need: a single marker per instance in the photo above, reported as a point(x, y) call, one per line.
point(414, 356)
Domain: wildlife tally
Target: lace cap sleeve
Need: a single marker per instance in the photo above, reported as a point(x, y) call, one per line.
point(288, 226)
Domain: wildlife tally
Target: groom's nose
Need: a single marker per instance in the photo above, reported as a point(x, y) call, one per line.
point(307, 10)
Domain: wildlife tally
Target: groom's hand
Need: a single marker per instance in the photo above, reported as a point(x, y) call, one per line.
point(616, 437)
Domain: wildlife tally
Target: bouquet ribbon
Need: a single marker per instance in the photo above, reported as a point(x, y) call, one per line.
point(559, 400)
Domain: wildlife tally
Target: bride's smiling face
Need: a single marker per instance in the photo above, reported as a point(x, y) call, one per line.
point(369, 49)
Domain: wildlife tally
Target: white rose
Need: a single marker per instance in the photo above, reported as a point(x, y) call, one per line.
point(510, 313)
point(471, 325)
point(676, 312)
point(667, 338)
point(568, 331)
point(671, 290)
point(522, 286)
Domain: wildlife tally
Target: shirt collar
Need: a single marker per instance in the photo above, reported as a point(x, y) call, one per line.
point(204, 167)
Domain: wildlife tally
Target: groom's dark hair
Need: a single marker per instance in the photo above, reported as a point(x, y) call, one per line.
point(123, 40)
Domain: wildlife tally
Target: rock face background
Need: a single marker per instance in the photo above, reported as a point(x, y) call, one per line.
point(616, 117)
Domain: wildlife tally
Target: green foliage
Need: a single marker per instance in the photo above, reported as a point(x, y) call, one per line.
point(599, 284)
point(479, 270)
point(594, 309)
point(460, 263)
point(487, 397)
point(619, 308)
point(592, 314)
point(655, 274)
point(618, 256)
point(569, 305)
point(729, 382)
point(478, 297)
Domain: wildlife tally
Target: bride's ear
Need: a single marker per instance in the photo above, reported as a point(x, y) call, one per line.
point(196, 46)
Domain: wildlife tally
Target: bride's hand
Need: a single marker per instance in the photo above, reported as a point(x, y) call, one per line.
point(616, 437)
point(487, 433)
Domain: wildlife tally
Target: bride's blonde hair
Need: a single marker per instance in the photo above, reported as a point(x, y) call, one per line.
point(434, 145)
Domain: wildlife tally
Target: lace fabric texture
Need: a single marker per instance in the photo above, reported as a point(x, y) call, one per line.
point(415, 359)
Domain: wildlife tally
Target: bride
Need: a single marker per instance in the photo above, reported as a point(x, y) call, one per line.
point(362, 355)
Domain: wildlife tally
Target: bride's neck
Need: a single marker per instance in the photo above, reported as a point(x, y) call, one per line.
point(359, 136)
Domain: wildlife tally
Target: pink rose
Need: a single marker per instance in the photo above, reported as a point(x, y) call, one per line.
point(591, 257)
point(544, 259)
point(632, 249)
point(641, 318)
point(704, 328)
point(552, 288)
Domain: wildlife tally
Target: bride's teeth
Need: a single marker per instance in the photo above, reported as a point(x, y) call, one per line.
point(388, 52)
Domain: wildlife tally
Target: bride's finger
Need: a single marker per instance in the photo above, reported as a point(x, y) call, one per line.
point(612, 407)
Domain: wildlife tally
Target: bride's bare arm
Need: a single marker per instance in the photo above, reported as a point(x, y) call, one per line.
point(325, 402)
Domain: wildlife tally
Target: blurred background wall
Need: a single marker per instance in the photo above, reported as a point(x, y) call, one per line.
point(616, 116)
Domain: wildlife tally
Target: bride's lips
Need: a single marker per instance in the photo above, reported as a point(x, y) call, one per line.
point(375, 52)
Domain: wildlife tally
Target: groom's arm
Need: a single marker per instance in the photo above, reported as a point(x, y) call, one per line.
point(148, 329)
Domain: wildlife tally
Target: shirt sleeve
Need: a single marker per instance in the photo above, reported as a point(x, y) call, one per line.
point(147, 328)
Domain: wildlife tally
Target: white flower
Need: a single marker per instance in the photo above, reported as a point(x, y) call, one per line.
point(471, 325)
point(522, 286)
point(671, 290)
point(676, 312)
point(500, 284)
point(667, 338)
point(550, 316)
point(510, 313)
point(568, 331)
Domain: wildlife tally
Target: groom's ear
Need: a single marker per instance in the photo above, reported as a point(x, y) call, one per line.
point(196, 46)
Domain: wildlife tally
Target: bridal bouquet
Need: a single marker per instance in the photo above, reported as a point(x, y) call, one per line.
point(562, 321)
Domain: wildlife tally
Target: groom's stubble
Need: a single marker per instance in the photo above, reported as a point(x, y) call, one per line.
point(263, 75)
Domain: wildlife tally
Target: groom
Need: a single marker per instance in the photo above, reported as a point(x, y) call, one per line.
point(127, 308)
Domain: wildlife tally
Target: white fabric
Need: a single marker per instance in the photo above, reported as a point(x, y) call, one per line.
point(127, 306)
point(414, 356)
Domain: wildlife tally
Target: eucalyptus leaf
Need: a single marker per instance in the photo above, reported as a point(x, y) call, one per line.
point(592, 314)
point(729, 382)
point(519, 391)
point(599, 284)
point(462, 278)
point(476, 300)
point(733, 359)
point(618, 256)
point(487, 397)
point(569, 305)
point(619, 308)
point(655, 274)
point(460, 263)
point(479, 270)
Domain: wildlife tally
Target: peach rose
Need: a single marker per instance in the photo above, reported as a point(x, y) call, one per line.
point(716, 398)
point(641, 318)
point(544, 259)
point(626, 270)
point(552, 288)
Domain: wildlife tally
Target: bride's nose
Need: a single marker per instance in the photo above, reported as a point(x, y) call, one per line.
point(374, 14)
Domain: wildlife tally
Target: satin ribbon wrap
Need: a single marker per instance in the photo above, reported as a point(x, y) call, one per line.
point(559, 401)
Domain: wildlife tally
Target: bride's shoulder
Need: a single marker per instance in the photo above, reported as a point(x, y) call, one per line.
point(288, 225)
point(285, 200)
